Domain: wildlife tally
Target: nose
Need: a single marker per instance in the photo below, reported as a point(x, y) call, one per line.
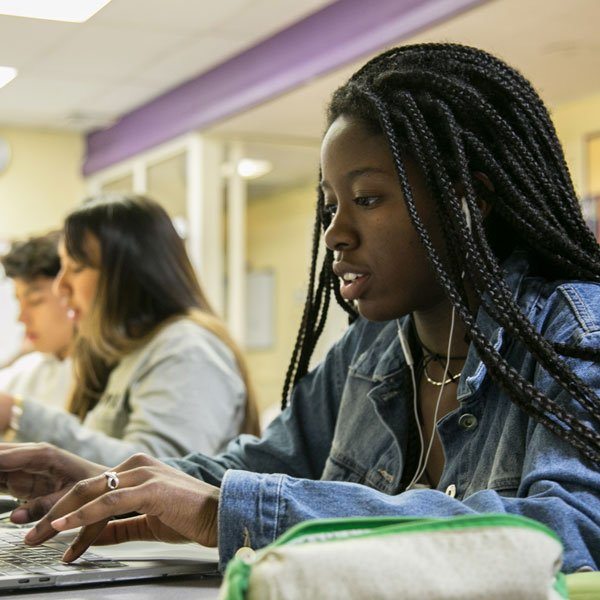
point(23, 315)
point(341, 235)
point(61, 286)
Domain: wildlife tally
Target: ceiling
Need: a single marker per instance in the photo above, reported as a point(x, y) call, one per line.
point(552, 42)
point(84, 75)
point(81, 76)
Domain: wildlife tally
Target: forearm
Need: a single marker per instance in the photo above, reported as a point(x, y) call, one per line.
point(41, 423)
point(245, 453)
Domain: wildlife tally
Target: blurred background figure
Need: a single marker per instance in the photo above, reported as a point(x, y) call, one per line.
point(155, 369)
point(45, 373)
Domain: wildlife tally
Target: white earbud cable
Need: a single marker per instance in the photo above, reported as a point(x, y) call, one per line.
point(421, 466)
point(410, 362)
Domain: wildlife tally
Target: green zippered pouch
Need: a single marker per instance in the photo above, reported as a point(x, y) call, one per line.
point(491, 556)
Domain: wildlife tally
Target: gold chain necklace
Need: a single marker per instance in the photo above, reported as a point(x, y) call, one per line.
point(450, 379)
point(433, 356)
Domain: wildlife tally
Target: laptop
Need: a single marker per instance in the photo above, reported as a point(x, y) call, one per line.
point(24, 567)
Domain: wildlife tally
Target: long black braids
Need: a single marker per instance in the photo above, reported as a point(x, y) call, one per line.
point(456, 111)
point(316, 306)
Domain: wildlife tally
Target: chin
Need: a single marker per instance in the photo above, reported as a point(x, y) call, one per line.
point(377, 312)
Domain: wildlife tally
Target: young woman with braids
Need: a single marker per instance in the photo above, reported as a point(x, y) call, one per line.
point(470, 381)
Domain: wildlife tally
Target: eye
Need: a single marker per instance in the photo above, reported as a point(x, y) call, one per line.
point(35, 301)
point(73, 266)
point(329, 210)
point(367, 201)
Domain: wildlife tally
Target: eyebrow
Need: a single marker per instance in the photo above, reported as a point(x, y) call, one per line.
point(355, 174)
point(32, 289)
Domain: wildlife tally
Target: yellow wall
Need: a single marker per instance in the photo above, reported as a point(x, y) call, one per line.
point(574, 122)
point(42, 181)
point(593, 165)
point(279, 231)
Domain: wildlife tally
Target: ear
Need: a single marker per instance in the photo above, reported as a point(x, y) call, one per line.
point(483, 178)
point(484, 205)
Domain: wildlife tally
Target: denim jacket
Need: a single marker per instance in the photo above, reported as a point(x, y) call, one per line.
point(341, 447)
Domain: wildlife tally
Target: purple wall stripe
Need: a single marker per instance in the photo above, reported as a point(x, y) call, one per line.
point(336, 35)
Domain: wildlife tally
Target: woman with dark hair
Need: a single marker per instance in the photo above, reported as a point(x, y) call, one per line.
point(470, 381)
point(156, 370)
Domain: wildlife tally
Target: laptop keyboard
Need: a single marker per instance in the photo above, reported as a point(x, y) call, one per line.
point(18, 559)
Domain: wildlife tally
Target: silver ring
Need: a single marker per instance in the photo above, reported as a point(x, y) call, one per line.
point(112, 480)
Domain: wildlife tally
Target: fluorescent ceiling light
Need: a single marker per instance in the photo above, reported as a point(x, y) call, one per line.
point(7, 74)
point(75, 11)
point(250, 168)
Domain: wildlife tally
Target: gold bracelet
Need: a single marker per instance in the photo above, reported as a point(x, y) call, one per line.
point(16, 412)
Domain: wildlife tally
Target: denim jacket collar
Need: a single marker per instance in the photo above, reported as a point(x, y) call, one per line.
point(379, 364)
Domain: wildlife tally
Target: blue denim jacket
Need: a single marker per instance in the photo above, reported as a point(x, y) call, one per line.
point(341, 448)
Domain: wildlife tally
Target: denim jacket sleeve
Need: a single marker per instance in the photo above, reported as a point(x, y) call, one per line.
point(558, 487)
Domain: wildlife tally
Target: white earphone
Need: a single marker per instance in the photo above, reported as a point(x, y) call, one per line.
point(405, 347)
point(466, 211)
point(411, 365)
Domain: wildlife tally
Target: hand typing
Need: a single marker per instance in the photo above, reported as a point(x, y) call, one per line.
point(172, 507)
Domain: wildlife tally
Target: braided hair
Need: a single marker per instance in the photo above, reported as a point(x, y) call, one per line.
point(456, 111)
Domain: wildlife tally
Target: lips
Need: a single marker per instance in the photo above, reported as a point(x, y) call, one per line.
point(353, 280)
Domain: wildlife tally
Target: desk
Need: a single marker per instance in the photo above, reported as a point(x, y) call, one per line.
point(173, 588)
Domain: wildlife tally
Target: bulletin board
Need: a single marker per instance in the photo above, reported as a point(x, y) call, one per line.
point(591, 200)
point(260, 310)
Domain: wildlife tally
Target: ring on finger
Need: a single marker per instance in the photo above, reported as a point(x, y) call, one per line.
point(112, 480)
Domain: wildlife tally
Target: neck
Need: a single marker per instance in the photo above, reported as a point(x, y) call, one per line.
point(63, 352)
point(433, 329)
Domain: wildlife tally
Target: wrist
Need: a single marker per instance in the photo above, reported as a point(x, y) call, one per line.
point(11, 416)
point(212, 510)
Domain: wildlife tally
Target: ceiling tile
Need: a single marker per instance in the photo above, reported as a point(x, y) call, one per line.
point(46, 95)
point(107, 52)
point(22, 40)
point(185, 16)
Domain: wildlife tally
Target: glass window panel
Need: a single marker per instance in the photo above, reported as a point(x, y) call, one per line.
point(121, 185)
point(167, 184)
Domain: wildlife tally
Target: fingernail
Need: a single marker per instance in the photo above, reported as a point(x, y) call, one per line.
point(58, 524)
point(31, 537)
point(68, 555)
point(20, 515)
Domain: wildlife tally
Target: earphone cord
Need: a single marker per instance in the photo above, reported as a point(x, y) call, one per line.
point(421, 467)
point(411, 365)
